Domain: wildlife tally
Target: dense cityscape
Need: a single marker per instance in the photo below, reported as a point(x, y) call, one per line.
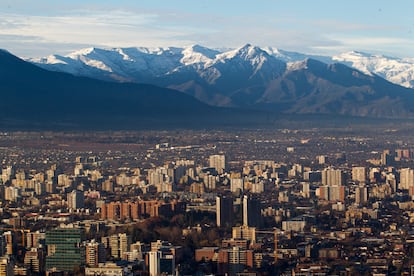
point(228, 138)
point(245, 202)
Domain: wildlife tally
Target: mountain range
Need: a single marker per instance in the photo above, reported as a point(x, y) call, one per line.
point(136, 64)
point(139, 88)
point(254, 78)
point(35, 98)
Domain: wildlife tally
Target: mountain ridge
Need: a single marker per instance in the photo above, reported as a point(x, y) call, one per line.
point(32, 96)
point(399, 71)
point(247, 79)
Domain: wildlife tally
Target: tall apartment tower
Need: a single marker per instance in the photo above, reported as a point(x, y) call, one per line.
point(218, 162)
point(154, 263)
point(224, 211)
point(34, 260)
point(251, 212)
point(7, 174)
point(406, 178)
point(10, 242)
point(361, 195)
point(33, 239)
point(333, 177)
point(76, 200)
point(387, 158)
point(6, 266)
point(94, 253)
point(359, 174)
point(119, 243)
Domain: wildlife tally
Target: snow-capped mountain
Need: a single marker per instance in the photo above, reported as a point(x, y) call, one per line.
point(248, 78)
point(208, 74)
point(49, 100)
point(134, 63)
point(396, 70)
point(150, 64)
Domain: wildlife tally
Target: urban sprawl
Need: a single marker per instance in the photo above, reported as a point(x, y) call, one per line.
point(245, 202)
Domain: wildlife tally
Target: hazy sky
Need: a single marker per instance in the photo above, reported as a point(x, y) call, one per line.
point(37, 28)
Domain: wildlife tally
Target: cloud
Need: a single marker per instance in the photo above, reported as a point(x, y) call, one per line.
point(110, 29)
point(372, 44)
point(66, 31)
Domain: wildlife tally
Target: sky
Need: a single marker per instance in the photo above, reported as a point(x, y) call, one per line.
point(39, 28)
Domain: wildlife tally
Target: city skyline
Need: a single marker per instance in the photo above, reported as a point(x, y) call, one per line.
point(317, 27)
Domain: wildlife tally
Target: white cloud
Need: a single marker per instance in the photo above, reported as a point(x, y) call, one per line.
point(35, 35)
point(114, 29)
point(375, 45)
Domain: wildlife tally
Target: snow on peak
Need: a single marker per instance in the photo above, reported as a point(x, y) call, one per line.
point(248, 51)
point(52, 59)
point(81, 52)
point(198, 54)
point(210, 53)
point(135, 62)
point(396, 70)
point(297, 65)
point(253, 54)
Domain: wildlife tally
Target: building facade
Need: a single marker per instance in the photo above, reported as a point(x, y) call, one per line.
point(64, 249)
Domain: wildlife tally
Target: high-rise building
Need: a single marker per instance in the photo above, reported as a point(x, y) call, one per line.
point(387, 158)
point(210, 182)
point(333, 177)
point(135, 253)
point(312, 176)
point(50, 186)
point(257, 188)
point(33, 239)
point(40, 188)
point(406, 179)
point(332, 193)
point(251, 212)
point(119, 243)
point(224, 211)
point(244, 232)
point(296, 170)
point(154, 263)
point(322, 159)
point(10, 242)
point(234, 260)
point(11, 193)
point(7, 174)
point(78, 169)
point(161, 258)
point(34, 260)
point(306, 189)
point(361, 195)
point(94, 253)
point(76, 200)
point(236, 184)
point(359, 174)
point(63, 248)
point(6, 267)
point(391, 180)
point(218, 162)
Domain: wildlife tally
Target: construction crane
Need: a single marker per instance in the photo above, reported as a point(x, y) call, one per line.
point(275, 240)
